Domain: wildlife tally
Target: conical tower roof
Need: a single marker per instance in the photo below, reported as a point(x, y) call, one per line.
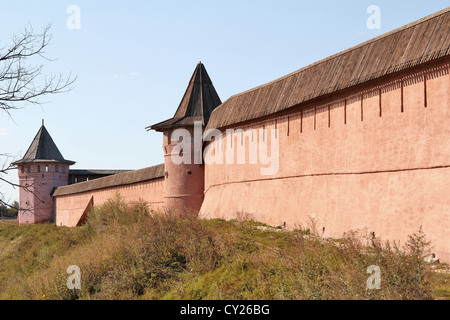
point(43, 149)
point(199, 100)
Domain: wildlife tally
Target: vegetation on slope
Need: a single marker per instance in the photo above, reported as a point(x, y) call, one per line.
point(9, 212)
point(126, 252)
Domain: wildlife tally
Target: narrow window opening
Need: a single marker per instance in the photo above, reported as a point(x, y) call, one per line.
point(301, 121)
point(329, 116)
point(288, 126)
point(362, 107)
point(379, 101)
point(315, 114)
point(345, 111)
point(276, 129)
point(425, 91)
point(401, 92)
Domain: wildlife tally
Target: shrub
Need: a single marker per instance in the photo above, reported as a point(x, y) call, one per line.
point(125, 251)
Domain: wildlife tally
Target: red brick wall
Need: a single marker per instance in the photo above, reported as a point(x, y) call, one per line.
point(70, 208)
point(351, 166)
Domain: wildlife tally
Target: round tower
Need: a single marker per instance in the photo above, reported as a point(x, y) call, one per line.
point(184, 176)
point(184, 183)
point(42, 169)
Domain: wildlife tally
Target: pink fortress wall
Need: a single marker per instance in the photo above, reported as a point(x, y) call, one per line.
point(350, 168)
point(70, 208)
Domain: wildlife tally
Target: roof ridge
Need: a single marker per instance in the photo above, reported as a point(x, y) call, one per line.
point(362, 44)
point(201, 93)
point(414, 44)
point(119, 179)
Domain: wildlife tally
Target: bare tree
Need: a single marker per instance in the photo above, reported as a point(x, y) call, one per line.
point(5, 167)
point(22, 80)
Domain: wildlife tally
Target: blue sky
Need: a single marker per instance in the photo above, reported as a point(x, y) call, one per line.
point(134, 59)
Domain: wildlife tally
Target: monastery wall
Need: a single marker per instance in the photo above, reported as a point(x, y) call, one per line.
point(71, 209)
point(376, 157)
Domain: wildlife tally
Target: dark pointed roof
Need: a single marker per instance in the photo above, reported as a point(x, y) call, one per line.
point(199, 100)
point(43, 149)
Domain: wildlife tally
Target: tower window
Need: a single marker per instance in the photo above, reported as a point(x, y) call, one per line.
point(22, 169)
point(39, 168)
point(46, 168)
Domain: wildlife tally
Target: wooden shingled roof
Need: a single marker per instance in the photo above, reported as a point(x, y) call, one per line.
point(199, 100)
point(416, 43)
point(119, 179)
point(43, 149)
point(94, 172)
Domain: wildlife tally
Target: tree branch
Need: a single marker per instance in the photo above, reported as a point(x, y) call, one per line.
point(22, 82)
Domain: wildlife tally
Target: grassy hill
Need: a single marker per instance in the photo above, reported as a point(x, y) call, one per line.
point(126, 252)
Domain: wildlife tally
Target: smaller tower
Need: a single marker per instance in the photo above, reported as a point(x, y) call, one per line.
point(40, 170)
point(184, 184)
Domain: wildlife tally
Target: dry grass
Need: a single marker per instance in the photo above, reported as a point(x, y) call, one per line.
point(126, 252)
